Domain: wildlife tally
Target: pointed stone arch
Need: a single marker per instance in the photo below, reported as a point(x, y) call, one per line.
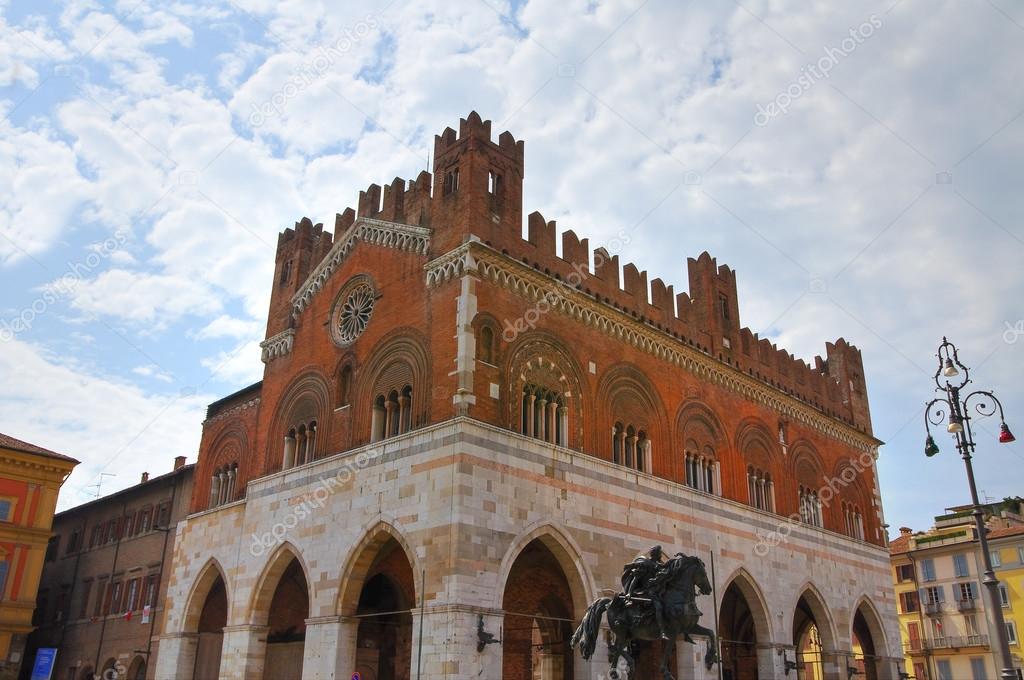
point(201, 587)
point(266, 584)
point(868, 642)
point(360, 560)
point(759, 611)
point(565, 550)
point(823, 618)
point(873, 618)
point(543, 590)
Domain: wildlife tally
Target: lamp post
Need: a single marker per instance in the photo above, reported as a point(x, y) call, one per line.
point(958, 423)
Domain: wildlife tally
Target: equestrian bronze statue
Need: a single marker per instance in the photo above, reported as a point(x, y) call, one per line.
point(658, 602)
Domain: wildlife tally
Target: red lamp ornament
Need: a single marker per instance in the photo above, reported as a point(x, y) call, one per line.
point(1005, 436)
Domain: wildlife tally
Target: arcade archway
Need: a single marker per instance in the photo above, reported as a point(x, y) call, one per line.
point(812, 636)
point(738, 635)
point(212, 619)
point(283, 607)
point(868, 642)
point(386, 598)
point(539, 616)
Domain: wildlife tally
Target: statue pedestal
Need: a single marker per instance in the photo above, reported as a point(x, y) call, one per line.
point(690, 661)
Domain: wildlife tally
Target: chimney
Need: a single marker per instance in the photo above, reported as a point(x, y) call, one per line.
point(145, 478)
point(179, 462)
point(906, 531)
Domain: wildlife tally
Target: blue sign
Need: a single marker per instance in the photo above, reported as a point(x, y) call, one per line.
point(357, 676)
point(46, 659)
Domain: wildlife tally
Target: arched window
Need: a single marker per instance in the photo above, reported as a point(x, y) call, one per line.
point(392, 414)
point(631, 447)
point(345, 385)
point(544, 414)
point(760, 489)
point(853, 521)
point(810, 507)
point(485, 344)
point(300, 444)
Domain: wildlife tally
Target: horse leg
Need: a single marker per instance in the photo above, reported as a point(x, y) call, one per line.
point(666, 651)
point(630, 663)
point(711, 657)
point(613, 659)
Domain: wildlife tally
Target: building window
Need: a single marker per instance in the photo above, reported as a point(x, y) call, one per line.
point(300, 444)
point(960, 565)
point(544, 414)
point(131, 599)
point(102, 595)
point(286, 272)
point(451, 181)
point(344, 385)
point(222, 485)
point(151, 583)
point(723, 305)
point(927, 570)
point(810, 507)
point(910, 602)
point(944, 669)
point(1020, 555)
point(702, 471)
point(83, 610)
point(392, 414)
point(996, 560)
point(978, 671)
point(145, 522)
point(163, 517)
point(117, 590)
point(52, 546)
point(934, 595)
point(493, 183)
point(965, 591)
point(5, 510)
point(94, 537)
point(485, 345)
point(1004, 595)
point(854, 521)
point(1011, 632)
point(760, 489)
point(631, 447)
point(42, 600)
point(905, 572)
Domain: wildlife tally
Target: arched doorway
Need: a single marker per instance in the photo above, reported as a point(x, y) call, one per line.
point(137, 671)
point(738, 634)
point(387, 596)
point(86, 673)
point(539, 617)
point(286, 623)
point(868, 642)
point(212, 619)
point(812, 636)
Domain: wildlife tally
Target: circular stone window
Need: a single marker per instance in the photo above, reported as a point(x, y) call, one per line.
point(352, 313)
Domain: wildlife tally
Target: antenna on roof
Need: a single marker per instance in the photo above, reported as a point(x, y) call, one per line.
point(99, 484)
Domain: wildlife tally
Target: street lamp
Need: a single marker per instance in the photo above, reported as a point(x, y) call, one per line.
point(959, 425)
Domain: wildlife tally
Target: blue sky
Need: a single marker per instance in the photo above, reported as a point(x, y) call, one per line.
point(859, 166)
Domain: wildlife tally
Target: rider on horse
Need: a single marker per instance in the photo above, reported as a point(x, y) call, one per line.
point(642, 575)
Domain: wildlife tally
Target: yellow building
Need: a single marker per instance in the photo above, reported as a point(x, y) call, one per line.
point(30, 477)
point(944, 619)
point(1007, 547)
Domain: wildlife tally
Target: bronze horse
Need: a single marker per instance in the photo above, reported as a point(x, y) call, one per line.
point(678, 578)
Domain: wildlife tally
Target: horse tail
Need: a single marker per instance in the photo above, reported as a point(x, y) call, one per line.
point(585, 636)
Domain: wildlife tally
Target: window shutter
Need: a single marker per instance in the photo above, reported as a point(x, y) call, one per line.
point(942, 593)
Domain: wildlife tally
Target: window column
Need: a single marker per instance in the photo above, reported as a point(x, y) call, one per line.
point(771, 496)
point(289, 451)
point(311, 442)
point(530, 413)
point(403, 413)
point(232, 472)
point(542, 418)
point(718, 478)
point(552, 417)
point(377, 421)
point(563, 426)
point(214, 490)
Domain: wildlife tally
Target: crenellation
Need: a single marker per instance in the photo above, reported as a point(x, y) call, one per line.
point(344, 220)
point(369, 201)
point(393, 206)
point(576, 253)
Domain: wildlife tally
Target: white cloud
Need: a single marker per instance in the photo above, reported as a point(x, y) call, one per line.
point(144, 298)
point(107, 424)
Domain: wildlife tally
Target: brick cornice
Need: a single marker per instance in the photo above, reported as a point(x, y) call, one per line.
point(487, 264)
point(404, 237)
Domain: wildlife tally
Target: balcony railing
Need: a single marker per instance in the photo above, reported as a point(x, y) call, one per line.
point(932, 608)
point(947, 642)
point(967, 604)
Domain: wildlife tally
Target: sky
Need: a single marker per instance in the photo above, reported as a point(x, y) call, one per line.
point(858, 164)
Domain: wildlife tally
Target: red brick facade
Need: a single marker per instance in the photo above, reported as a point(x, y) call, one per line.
point(592, 345)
